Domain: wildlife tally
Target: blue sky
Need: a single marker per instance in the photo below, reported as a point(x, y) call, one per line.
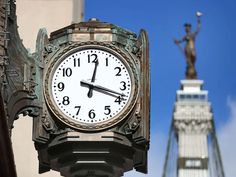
point(216, 62)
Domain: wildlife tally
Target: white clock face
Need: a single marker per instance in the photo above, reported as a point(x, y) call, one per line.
point(91, 86)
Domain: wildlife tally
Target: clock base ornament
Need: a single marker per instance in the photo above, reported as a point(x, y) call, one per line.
point(106, 154)
point(95, 108)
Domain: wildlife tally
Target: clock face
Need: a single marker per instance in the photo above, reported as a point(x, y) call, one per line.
point(91, 86)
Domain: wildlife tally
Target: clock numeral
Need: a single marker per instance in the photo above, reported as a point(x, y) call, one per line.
point(93, 58)
point(107, 108)
point(66, 100)
point(119, 71)
point(91, 114)
point(106, 61)
point(76, 62)
point(61, 86)
point(77, 107)
point(123, 85)
point(66, 72)
point(118, 100)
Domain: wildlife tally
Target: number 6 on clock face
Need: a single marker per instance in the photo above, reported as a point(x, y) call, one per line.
point(91, 86)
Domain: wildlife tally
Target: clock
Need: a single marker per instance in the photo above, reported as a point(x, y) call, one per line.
point(91, 86)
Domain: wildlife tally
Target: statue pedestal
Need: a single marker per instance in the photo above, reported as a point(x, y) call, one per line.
point(192, 123)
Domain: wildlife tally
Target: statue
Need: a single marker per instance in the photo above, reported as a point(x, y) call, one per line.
point(189, 50)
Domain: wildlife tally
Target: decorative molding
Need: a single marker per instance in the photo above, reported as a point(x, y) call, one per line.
point(193, 126)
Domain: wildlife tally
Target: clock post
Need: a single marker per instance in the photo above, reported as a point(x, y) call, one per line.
point(94, 116)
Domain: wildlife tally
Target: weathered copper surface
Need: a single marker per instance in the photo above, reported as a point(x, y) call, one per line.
point(111, 150)
point(189, 50)
point(7, 164)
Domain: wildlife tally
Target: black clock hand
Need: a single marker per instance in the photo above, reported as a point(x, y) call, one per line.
point(108, 90)
point(98, 87)
point(90, 92)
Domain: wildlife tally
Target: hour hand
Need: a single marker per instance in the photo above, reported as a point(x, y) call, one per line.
point(101, 88)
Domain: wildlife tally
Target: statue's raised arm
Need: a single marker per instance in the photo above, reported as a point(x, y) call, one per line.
point(198, 14)
point(189, 49)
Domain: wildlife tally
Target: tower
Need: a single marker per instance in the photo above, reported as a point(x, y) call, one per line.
point(192, 149)
point(192, 123)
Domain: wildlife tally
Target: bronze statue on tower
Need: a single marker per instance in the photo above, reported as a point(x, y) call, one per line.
point(189, 50)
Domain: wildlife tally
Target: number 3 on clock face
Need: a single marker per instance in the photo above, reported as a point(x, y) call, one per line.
point(91, 86)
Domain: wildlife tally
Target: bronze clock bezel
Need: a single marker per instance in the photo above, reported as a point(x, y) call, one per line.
point(91, 45)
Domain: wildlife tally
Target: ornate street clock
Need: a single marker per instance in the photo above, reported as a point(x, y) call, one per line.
point(91, 86)
point(93, 118)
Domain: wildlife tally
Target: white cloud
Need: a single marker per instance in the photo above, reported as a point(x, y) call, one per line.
point(156, 157)
point(227, 141)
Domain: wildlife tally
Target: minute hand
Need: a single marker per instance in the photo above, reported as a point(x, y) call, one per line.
point(98, 87)
point(90, 92)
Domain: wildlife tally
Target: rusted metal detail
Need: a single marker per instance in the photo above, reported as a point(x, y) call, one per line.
point(42, 48)
point(133, 124)
point(95, 31)
point(142, 136)
point(47, 122)
point(43, 125)
point(19, 74)
point(7, 164)
point(17, 103)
